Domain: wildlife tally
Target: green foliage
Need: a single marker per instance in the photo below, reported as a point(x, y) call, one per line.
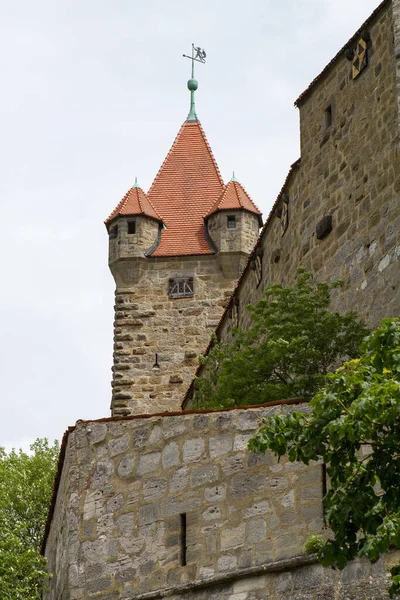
point(354, 428)
point(26, 482)
point(313, 543)
point(291, 344)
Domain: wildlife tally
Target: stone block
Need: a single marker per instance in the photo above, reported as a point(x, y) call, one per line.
point(170, 455)
point(148, 514)
point(220, 445)
point(149, 462)
point(243, 484)
point(216, 493)
point(97, 433)
point(102, 475)
point(174, 507)
point(193, 450)
point(179, 480)
point(233, 538)
point(204, 475)
point(126, 466)
point(118, 445)
point(256, 531)
point(227, 562)
point(154, 488)
point(212, 513)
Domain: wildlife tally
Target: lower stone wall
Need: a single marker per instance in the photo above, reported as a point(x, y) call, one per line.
point(176, 506)
point(296, 580)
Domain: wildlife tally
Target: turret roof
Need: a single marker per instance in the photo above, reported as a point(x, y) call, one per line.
point(234, 197)
point(184, 190)
point(135, 202)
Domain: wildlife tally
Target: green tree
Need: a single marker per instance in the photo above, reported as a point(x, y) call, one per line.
point(26, 483)
point(292, 342)
point(354, 428)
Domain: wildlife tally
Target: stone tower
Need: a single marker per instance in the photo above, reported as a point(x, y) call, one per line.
point(176, 255)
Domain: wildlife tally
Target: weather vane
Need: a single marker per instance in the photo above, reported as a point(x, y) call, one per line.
point(198, 55)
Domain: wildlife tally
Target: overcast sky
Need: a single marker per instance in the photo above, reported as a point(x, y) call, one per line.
point(93, 93)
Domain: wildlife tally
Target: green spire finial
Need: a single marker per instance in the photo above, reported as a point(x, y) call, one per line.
point(233, 176)
point(192, 83)
point(136, 183)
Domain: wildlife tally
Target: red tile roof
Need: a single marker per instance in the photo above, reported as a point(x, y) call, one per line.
point(184, 190)
point(135, 202)
point(234, 197)
point(349, 44)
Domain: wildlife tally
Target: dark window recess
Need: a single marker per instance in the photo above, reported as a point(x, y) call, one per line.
point(231, 222)
point(236, 312)
point(276, 256)
point(131, 227)
point(328, 117)
point(113, 233)
point(324, 487)
point(285, 214)
point(183, 540)
point(180, 287)
point(256, 265)
point(324, 227)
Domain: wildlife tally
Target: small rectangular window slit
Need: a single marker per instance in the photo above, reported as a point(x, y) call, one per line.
point(324, 489)
point(131, 227)
point(328, 116)
point(183, 540)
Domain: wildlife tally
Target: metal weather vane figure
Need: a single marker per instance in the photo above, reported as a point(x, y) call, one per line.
point(198, 55)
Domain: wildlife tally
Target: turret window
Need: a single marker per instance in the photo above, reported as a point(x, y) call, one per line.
point(113, 233)
point(180, 287)
point(231, 222)
point(131, 227)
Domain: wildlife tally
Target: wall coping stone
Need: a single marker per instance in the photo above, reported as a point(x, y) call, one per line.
point(271, 567)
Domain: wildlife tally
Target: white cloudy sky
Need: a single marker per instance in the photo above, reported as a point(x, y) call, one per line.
point(93, 93)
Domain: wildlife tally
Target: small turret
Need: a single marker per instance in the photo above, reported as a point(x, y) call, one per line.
point(233, 222)
point(133, 226)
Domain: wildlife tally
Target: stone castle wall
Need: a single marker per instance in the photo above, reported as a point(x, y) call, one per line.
point(348, 171)
point(118, 530)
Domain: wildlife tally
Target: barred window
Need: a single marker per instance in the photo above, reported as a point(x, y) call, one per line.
point(180, 287)
point(231, 222)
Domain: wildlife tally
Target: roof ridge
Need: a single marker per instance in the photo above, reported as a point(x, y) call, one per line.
point(211, 153)
point(137, 190)
point(236, 192)
point(249, 197)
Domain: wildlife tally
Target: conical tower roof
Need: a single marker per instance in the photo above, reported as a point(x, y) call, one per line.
point(184, 190)
point(234, 197)
point(135, 202)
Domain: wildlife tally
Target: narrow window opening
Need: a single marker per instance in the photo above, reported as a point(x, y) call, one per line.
point(324, 489)
point(231, 222)
point(131, 227)
point(236, 312)
point(183, 540)
point(328, 116)
point(113, 233)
